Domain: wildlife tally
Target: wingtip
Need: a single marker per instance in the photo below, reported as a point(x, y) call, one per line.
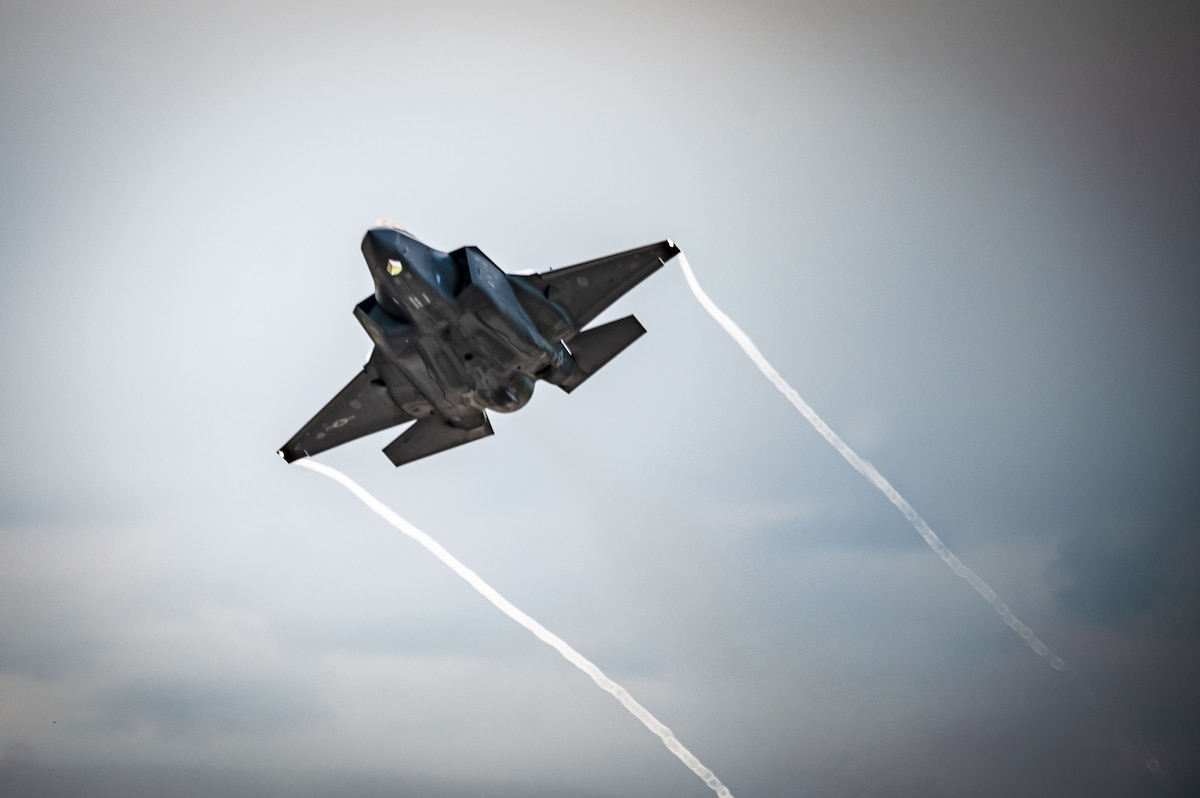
point(290, 457)
point(673, 251)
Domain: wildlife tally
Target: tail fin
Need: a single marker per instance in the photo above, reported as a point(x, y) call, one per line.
point(591, 349)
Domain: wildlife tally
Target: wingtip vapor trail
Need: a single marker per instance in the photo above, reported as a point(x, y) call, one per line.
point(568, 653)
point(866, 469)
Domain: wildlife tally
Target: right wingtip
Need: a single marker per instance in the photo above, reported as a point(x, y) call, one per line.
point(673, 251)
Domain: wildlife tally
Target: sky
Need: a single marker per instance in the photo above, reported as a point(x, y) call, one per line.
point(967, 233)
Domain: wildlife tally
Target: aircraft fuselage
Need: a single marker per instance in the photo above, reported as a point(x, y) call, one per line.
point(452, 324)
point(455, 337)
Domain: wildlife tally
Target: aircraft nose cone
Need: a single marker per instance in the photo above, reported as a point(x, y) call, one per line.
point(380, 245)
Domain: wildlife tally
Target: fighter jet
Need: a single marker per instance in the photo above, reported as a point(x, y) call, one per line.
point(455, 337)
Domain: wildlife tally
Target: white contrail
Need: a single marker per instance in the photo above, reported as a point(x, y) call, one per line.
point(540, 632)
point(867, 470)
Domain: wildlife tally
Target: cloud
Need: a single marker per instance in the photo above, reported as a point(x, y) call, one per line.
point(302, 781)
point(213, 705)
point(927, 219)
point(1134, 569)
point(16, 757)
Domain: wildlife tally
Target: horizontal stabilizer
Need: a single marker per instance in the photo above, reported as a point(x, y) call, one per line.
point(431, 435)
point(592, 348)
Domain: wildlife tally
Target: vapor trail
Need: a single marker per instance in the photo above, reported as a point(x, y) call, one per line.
point(867, 470)
point(540, 632)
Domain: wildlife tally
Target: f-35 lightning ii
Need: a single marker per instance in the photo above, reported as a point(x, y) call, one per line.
point(455, 337)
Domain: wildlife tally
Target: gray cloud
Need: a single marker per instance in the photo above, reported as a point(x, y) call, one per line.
point(967, 235)
point(307, 782)
point(192, 706)
point(1133, 569)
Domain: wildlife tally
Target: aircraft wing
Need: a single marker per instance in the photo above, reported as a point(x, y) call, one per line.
point(586, 289)
point(362, 407)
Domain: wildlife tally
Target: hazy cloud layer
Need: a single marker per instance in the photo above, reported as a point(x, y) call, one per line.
point(966, 234)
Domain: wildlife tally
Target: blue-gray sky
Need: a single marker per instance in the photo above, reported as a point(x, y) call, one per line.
point(968, 233)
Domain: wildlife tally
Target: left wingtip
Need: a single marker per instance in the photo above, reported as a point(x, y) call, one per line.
point(291, 457)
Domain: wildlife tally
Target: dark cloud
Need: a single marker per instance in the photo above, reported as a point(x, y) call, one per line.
point(1133, 569)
